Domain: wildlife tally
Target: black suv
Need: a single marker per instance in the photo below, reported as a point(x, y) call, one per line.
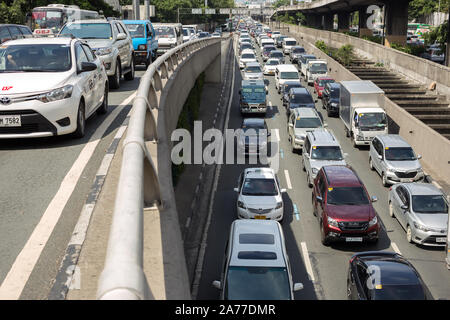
point(380, 275)
point(330, 98)
point(13, 32)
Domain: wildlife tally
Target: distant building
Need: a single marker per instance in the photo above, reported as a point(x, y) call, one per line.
point(115, 4)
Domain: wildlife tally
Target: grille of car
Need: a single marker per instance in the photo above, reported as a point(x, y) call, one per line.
point(31, 122)
point(353, 225)
point(411, 174)
point(259, 211)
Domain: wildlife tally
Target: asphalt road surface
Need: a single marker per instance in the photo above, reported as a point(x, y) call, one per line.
point(323, 270)
point(34, 175)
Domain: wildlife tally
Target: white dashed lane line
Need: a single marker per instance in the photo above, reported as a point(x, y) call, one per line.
point(288, 179)
point(395, 247)
point(307, 261)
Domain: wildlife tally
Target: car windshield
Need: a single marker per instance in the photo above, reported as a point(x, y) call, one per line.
point(301, 98)
point(185, 32)
point(136, 30)
point(252, 128)
point(290, 43)
point(322, 83)
point(246, 46)
point(347, 196)
point(88, 30)
point(35, 58)
point(308, 123)
point(268, 49)
point(318, 67)
point(288, 87)
point(326, 153)
point(371, 120)
point(257, 283)
point(298, 50)
point(334, 93)
point(248, 56)
point(429, 204)
point(399, 292)
point(400, 154)
point(164, 32)
point(273, 62)
point(289, 75)
point(253, 69)
point(259, 187)
point(276, 54)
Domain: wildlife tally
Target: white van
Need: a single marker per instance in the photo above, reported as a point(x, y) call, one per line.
point(169, 35)
point(266, 42)
point(285, 72)
point(287, 44)
point(316, 69)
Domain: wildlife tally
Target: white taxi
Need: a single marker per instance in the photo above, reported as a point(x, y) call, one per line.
point(259, 195)
point(49, 86)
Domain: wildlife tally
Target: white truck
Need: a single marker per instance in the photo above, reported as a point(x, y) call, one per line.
point(362, 111)
point(315, 69)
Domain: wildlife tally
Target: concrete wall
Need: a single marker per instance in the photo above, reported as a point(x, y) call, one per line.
point(434, 148)
point(415, 68)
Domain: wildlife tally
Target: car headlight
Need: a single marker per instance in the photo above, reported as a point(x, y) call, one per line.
point(373, 222)
point(142, 47)
point(279, 205)
point(421, 227)
point(332, 222)
point(56, 94)
point(315, 170)
point(390, 170)
point(103, 51)
point(241, 204)
point(334, 104)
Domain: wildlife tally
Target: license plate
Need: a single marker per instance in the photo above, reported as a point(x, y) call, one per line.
point(260, 217)
point(10, 121)
point(358, 239)
point(441, 239)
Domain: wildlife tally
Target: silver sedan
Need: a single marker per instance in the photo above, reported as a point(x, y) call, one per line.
point(421, 209)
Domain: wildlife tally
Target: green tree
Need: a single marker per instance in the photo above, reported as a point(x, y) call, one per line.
point(420, 8)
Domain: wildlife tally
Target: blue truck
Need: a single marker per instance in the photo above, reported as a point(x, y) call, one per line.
point(144, 43)
point(253, 96)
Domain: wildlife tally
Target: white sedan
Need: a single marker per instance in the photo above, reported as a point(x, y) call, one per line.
point(49, 86)
point(271, 66)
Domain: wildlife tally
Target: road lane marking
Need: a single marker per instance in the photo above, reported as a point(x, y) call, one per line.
point(277, 135)
point(288, 180)
point(307, 261)
point(296, 213)
point(395, 247)
point(17, 277)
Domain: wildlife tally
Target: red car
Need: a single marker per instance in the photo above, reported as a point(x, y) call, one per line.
point(319, 85)
point(342, 205)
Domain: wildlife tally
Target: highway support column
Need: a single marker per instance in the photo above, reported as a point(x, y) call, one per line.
point(364, 28)
point(313, 20)
point(343, 21)
point(328, 21)
point(396, 22)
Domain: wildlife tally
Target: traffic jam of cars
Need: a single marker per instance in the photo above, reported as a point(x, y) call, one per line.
point(256, 264)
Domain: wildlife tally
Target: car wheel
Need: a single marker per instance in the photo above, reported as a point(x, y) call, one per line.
point(323, 237)
point(303, 165)
point(347, 133)
point(391, 210)
point(104, 107)
point(354, 142)
point(81, 122)
point(384, 180)
point(409, 234)
point(371, 164)
point(130, 75)
point(114, 81)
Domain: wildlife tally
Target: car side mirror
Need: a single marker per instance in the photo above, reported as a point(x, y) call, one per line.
point(239, 92)
point(283, 190)
point(216, 284)
point(419, 156)
point(267, 91)
point(319, 198)
point(374, 199)
point(298, 286)
point(380, 157)
point(121, 36)
point(87, 66)
point(291, 125)
point(325, 125)
point(236, 189)
point(404, 207)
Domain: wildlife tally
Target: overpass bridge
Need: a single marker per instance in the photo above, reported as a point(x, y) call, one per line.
point(320, 14)
point(124, 236)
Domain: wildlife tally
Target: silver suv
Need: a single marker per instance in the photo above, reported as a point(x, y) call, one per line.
point(321, 148)
point(300, 121)
point(111, 42)
point(394, 160)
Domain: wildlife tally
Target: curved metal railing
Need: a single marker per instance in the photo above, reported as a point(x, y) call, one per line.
point(123, 276)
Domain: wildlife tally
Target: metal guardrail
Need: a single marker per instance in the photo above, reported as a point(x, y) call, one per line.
point(123, 276)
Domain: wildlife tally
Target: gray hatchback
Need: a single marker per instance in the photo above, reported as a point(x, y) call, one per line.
point(421, 209)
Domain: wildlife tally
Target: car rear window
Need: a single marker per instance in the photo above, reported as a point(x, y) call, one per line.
point(256, 238)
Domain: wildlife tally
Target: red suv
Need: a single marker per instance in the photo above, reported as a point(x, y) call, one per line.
point(343, 206)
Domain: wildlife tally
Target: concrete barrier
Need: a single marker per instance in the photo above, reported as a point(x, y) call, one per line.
point(434, 148)
point(145, 183)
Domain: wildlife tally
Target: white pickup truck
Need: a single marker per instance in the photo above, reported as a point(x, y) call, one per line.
point(315, 69)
